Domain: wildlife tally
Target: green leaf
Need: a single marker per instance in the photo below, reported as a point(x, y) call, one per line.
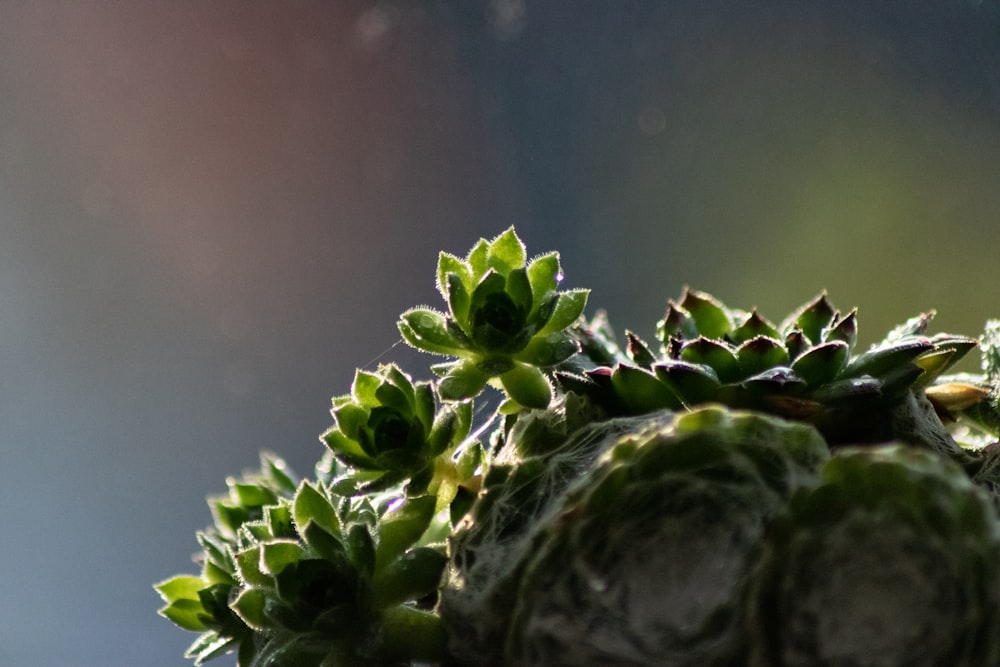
point(187, 614)
point(709, 315)
point(449, 265)
point(427, 329)
point(401, 526)
point(844, 329)
point(887, 357)
point(363, 388)
point(312, 505)
point(248, 567)
point(519, 288)
point(719, 356)
point(459, 296)
point(760, 353)
point(411, 576)
point(278, 554)
point(640, 391)
point(180, 587)
point(542, 272)
point(548, 350)
point(249, 605)
point(346, 450)
point(210, 645)
point(567, 311)
point(352, 417)
point(813, 318)
point(477, 259)
point(464, 380)
point(691, 383)
point(527, 385)
point(822, 363)
point(506, 253)
point(361, 549)
point(249, 494)
point(753, 327)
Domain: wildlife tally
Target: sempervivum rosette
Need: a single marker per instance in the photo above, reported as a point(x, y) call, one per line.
point(893, 561)
point(648, 559)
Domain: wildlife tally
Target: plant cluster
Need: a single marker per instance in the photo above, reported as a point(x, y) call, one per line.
point(740, 493)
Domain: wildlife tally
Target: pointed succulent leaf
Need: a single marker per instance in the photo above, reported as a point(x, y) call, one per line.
point(401, 526)
point(719, 356)
point(900, 378)
point(886, 357)
point(211, 645)
point(506, 253)
point(449, 264)
point(352, 416)
point(760, 353)
point(813, 318)
point(311, 505)
point(249, 606)
point(915, 326)
point(933, 363)
point(638, 351)
point(458, 297)
point(691, 383)
point(395, 398)
point(463, 380)
point(543, 273)
point(476, 258)
point(844, 329)
point(248, 566)
point(796, 343)
point(413, 575)
point(677, 323)
point(567, 311)
point(361, 549)
point(548, 349)
point(754, 326)
point(249, 494)
point(423, 404)
point(427, 329)
point(277, 472)
point(278, 554)
point(821, 363)
point(527, 385)
point(187, 614)
point(640, 391)
point(710, 316)
point(519, 289)
point(322, 544)
point(363, 388)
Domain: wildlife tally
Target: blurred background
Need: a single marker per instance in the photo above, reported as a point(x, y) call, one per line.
point(211, 213)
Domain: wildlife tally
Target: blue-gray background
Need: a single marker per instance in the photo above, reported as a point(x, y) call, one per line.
point(210, 213)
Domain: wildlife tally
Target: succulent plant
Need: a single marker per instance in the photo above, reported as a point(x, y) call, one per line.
point(389, 430)
point(647, 559)
point(725, 499)
point(297, 575)
point(892, 560)
point(505, 320)
point(805, 369)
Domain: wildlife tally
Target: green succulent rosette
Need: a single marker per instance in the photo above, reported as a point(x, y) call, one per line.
point(389, 430)
point(257, 502)
point(647, 559)
point(506, 320)
point(892, 560)
point(298, 575)
point(806, 369)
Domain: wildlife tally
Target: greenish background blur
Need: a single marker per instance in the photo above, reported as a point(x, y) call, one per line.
point(211, 212)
